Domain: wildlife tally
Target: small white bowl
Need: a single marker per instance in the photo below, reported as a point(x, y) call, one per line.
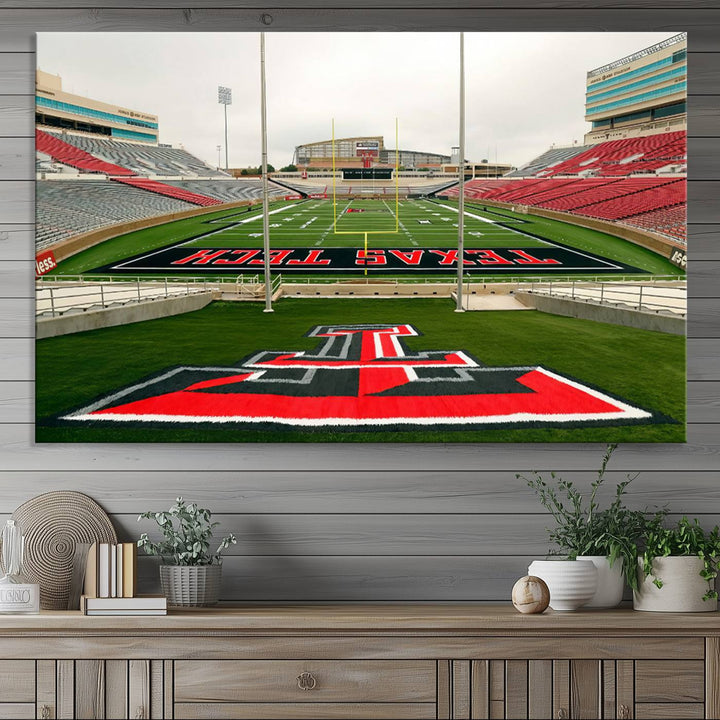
point(571, 582)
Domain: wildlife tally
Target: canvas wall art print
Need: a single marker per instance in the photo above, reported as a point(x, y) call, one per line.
point(298, 237)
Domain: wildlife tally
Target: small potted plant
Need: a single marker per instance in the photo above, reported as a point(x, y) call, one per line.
point(606, 537)
point(189, 574)
point(677, 568)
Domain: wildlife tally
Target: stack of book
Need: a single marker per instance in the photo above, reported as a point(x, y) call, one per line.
point(111, 583)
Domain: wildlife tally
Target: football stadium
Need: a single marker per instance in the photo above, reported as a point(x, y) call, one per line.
point(355, 295)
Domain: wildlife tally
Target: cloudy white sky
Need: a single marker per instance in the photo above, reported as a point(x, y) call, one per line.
point(525, 91)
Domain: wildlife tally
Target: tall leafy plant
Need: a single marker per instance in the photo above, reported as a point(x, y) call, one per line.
point(187, 530)
point(583, 527)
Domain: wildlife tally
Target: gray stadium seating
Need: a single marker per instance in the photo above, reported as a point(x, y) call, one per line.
point(229, 190)
point(143, 159)
point(551, 157)
point(70, 207)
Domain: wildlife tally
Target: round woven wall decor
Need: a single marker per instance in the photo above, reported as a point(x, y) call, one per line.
point(53, 523)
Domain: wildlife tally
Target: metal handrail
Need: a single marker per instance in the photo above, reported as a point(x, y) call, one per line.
point(647, 297)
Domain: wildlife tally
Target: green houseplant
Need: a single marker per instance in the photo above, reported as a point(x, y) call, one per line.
point(190, 574)
point(607, 536)
point(677, 568)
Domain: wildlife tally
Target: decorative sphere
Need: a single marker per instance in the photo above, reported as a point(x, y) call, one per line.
point(530, 594)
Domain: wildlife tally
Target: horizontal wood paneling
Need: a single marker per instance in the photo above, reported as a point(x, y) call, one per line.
point(703, 242)
point(17, 200)
point(579, 7)
point(348, 522)
point(486, 533)
point(16, 242)
point(320, 493)
point(19, 24)
point(17, 157)
point(700, 453)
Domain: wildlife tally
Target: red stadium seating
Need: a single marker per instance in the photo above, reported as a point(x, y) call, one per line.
point(602, 198)
point(74, 157)
point(169, 190)
point(624, 157)
point(669, 221)
point(658, 197)
point(596, 192)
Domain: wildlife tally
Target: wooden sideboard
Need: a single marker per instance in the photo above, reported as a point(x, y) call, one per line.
point(361, 662)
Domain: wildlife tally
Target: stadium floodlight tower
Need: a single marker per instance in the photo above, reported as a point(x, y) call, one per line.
point(225, 98)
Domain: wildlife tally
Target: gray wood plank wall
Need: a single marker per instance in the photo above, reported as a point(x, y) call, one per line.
point(350, 523)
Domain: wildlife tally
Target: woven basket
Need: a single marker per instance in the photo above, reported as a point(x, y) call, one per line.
point(53, 523)
point(191, 586)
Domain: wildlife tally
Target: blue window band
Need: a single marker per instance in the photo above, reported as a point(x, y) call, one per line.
point(630, 74)
point(130, 135)
point(89, 112)
point(670, 90)
point(640, 83)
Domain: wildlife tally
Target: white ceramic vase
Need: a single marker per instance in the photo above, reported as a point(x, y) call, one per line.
point(571, 582)
point(682, 589)
point(610, 582)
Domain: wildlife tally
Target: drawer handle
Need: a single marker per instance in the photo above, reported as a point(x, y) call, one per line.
point(45, 712)
point(306, 681)
point(624, 713)
point(562, 715)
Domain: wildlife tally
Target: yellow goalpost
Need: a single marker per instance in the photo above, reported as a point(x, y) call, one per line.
point(365, 233)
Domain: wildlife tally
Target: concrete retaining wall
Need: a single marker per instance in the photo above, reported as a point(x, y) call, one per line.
point(639, 319)
point(109, 317)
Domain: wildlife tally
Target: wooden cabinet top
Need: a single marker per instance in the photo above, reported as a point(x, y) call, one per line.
point(372, 620)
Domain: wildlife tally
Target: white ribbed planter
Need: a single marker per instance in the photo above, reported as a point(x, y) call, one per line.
point(571, 582)
point(610, 582)
point(682, 589)
point(191, 585)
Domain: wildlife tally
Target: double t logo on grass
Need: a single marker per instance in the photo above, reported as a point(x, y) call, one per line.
point(361, 376)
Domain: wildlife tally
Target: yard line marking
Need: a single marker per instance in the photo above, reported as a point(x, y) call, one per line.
point(492, 222)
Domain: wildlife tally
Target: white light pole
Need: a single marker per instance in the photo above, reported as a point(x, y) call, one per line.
point(461, 169)
point(218, 152)
point(266, 206)
point(225, 98)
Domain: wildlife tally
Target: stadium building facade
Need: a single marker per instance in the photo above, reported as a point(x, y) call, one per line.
point(56, 109)
point(357, 151)
point(642, 94)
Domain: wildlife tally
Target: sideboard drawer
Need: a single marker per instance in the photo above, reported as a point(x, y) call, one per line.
point(671, 681)
point(306, 711)
point(305, 681)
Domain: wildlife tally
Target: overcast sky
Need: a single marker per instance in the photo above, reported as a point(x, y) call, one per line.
point(525, 91)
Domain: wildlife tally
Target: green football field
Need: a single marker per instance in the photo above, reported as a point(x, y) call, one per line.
point(422, 223)
point(643, 368)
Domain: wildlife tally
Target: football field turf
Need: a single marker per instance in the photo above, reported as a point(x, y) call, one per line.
point(645, 369)
point(420, 223)
point(317, 225)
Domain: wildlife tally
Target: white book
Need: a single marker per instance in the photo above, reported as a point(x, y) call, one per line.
point(104, 570)
point(125, 612)
point(140, 602)
point(113, 571)
point(119, 570)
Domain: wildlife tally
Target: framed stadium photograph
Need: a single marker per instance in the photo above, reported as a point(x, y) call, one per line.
point(308, 237)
